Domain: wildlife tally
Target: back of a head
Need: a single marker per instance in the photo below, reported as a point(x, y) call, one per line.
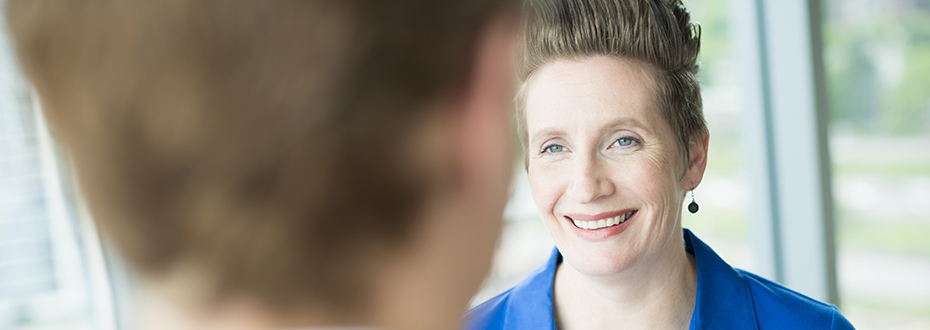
point(266, 142)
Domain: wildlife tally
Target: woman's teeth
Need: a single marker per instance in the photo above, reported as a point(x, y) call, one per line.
point(598, 224)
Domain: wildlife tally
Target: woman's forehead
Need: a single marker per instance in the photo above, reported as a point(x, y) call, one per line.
point(593, 91)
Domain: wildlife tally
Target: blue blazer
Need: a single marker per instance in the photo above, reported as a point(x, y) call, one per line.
point(727, 298)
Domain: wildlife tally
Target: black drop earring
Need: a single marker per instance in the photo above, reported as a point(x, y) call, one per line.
point(693, 207)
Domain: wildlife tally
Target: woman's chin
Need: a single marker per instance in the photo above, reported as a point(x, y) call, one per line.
point(599, 263)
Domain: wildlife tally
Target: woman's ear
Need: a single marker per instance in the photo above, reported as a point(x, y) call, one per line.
point(697, 160)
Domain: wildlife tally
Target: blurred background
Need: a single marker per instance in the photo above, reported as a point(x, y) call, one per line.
point(55, 273)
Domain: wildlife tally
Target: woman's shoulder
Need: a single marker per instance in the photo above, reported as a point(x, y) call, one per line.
point(778, 307)
point(735, 298)
point(527, 304)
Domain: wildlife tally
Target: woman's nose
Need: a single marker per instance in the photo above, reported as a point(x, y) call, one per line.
point(590, 181)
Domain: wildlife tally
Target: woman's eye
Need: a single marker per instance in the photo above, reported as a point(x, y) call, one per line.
point(623, 142)
point(553, 148)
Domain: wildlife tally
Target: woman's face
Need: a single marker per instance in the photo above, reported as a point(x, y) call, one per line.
point(604, 168)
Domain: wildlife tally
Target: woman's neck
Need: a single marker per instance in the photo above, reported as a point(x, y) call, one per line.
point(655, 293)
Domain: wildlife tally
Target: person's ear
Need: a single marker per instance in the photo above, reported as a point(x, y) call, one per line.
point(697, 160)
point(484, 132)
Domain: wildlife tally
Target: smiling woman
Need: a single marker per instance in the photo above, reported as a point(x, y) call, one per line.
point(619, 160)
point(610, 115)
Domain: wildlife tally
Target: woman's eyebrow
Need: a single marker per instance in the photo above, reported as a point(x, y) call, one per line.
point(623, 122)
point(545, 132)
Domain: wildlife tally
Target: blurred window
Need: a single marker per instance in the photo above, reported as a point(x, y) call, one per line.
point(877, 62)
point(44, 275)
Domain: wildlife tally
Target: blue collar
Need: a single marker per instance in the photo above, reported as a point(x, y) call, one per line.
point(723, 299)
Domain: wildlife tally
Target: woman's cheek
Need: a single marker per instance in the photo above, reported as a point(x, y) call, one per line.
point(660, 189)
point(544, 186)
point(658, 168)
point(646, 177)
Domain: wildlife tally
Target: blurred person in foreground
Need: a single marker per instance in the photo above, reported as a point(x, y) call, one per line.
point(611, 120)
point(282, 163)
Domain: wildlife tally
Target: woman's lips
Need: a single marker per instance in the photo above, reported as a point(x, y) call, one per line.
point(600, 226)
point(602, 222)
point(599, 216)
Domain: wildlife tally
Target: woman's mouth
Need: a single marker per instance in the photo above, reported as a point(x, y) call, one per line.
point(602, 223)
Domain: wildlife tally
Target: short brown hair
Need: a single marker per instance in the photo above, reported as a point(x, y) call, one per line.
point(266, 141)
point(658, 33)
